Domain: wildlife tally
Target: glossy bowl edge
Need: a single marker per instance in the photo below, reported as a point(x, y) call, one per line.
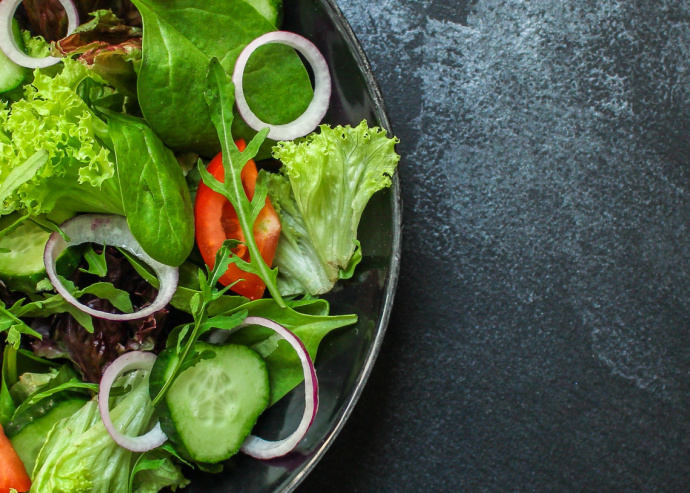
point(357, 51)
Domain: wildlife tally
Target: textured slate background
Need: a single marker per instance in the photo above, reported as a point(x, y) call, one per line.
point(540, 336)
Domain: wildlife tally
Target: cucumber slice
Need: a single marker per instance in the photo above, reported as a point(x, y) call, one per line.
point(30, 440)
point(215, 404)
point(21, 257)
point(11, 74)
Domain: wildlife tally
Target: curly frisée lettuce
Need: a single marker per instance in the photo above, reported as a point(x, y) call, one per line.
point(78, 171)
point(332, 175)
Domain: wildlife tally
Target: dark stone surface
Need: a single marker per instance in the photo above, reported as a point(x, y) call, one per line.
point(540, 337)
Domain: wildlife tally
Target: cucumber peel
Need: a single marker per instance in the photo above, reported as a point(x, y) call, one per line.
point(212, 407)
point(11, 74)
point(21, 257)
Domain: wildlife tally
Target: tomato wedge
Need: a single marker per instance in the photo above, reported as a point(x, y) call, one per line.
point(216, 221)
point(12, 471)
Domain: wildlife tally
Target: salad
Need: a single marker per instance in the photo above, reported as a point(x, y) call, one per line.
point(172, 210)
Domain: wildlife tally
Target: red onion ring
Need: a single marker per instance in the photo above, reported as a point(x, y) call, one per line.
point(110, 230)
point(9, 45)
point(263, 449)
point(136, 360)
point(311, 118)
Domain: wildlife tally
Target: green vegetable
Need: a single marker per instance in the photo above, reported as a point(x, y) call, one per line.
point(154, 470)
point(29, 441)
point(97, 262)
point(43, 305)
point(220, 97)
point(30, 383)
point(219, 397)
point(79, 172)
point(272, 10)
point(11, 74)
point(8, 377)
point(108, 47)
point(184, 338)
point(284, 366)
point(80, 456)
point(13, 325)
point(180, 38)
point(21, 258)
point(332, 176)
point(154, 193)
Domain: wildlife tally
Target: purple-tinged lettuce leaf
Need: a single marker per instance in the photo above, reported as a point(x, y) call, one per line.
point(91, 352)
point(47, 18)
point(107, 46)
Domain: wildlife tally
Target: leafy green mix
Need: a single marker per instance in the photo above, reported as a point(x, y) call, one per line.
point(52, 149)
point(73, 140)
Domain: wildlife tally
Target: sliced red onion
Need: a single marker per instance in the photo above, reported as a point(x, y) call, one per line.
point(311, 118)
point(136, 360)
point(9, 45)
point(263, 449)
point(111, 230)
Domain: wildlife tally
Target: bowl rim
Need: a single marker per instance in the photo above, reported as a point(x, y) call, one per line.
point(345, 30)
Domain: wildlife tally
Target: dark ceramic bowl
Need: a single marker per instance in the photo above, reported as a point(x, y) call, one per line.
point(347, 356)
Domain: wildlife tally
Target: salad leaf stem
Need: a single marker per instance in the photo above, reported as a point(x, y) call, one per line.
point(186, 356)
point(220, 98)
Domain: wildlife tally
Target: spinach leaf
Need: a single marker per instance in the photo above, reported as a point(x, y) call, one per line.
point(154, 193)
point(180, 38)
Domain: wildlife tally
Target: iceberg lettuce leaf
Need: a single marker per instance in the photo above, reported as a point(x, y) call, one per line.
point(79, 455)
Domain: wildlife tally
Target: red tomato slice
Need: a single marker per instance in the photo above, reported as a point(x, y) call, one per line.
point(12, 471)
point(216, 221)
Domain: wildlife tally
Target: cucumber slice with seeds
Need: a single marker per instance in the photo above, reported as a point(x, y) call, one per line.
point(215, 404)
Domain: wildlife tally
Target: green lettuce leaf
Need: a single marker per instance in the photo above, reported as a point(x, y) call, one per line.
point(327, 180)
point(155, 471)
point(80, 456)
point(79, 171)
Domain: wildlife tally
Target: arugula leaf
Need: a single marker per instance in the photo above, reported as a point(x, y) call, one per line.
point(45, 305)
point(13, 325)
point(105, 290)
point(154, 192)
point(97, 264)
point(188, 335)
point(220, 98)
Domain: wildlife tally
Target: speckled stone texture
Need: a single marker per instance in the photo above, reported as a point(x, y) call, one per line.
point(541, 335)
